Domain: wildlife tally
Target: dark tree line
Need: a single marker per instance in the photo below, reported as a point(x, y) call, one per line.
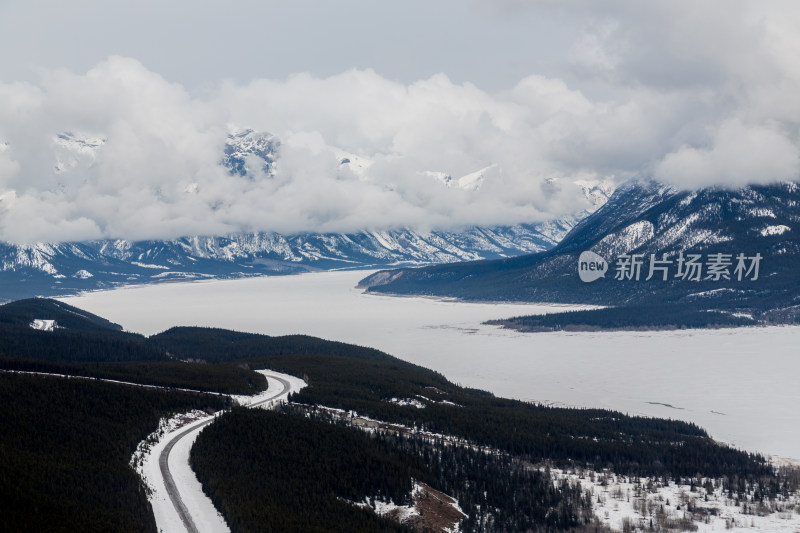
point(65, 448)
point(661, 316)
point(497, 492)
point(95, 349)
point(587, 437)
point(269, 471)
point(71, 346)
point(217, 345)
point(266, 471)
point(222, 378)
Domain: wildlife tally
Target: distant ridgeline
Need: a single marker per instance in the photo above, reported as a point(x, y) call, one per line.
point(663, 258)
point(65, 268)
point(491, 488)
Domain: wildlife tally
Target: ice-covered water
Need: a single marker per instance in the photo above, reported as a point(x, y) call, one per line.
point(743, 385)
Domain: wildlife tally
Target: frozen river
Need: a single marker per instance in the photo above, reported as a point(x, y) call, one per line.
point(742, 385)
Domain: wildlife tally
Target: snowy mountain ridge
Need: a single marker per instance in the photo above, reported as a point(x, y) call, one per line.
point(659, 225)
point(51, 268)
point(104, 263)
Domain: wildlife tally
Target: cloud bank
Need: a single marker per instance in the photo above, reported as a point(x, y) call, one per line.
point(694, 95)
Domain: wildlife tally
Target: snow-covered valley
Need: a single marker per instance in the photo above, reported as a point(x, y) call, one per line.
point(739, 384)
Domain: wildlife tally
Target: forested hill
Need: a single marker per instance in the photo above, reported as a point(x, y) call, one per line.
point(217, 345)
point(24, 312)
point(66, 447)
point(42, 335)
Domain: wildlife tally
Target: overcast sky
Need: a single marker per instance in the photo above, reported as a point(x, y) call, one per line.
point(542, 93)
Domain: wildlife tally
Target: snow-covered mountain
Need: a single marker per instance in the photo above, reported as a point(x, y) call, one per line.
point(53, 268)
point(247, 150)
point(647, 219)
point(45, 268)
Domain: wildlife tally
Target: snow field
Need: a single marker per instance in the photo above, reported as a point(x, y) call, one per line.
point(627, 503)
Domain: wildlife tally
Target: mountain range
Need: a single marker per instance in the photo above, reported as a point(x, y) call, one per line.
point(735, 250)
point(61, 268)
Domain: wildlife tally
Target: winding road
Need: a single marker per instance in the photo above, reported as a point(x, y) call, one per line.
point(195, 510)
point(169, 481)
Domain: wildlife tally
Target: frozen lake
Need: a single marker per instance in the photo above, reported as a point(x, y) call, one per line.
point(742, 385)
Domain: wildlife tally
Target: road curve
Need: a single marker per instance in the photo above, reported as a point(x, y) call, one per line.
point(163, 459)
point(286, 387)
point(169, 481)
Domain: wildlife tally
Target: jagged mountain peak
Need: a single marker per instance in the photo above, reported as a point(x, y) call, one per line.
point(246, 149)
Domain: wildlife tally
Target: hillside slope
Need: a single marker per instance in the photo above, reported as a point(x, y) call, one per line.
point(640, 223)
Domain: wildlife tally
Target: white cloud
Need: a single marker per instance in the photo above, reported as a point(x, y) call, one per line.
point(738, 155)
point(693, 93)
point(150, 166)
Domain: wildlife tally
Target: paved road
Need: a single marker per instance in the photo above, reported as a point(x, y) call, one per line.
point(163, 460)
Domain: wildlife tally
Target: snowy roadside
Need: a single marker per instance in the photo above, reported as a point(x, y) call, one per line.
point(628, 503)
point(267, 399)
point(146, 460)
